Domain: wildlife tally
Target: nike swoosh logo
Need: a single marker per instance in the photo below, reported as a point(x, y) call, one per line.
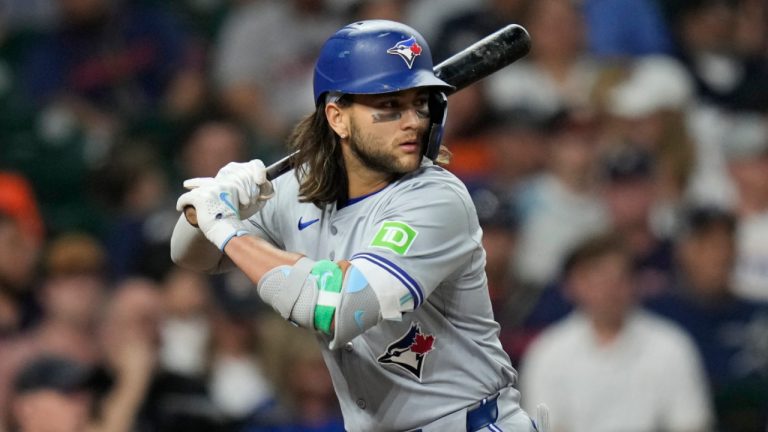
point(224, 196)
point(306, 224)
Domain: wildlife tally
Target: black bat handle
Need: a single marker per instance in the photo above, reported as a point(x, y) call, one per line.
point(280, 167)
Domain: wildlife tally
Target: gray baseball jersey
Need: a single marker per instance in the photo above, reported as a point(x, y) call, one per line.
point(418, 242)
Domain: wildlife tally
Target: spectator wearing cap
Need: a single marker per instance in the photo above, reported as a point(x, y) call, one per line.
point(723, 43)
point(746, 151)
point(628, 190)
point(728, 331)
point(649, 107)
point(53, 394)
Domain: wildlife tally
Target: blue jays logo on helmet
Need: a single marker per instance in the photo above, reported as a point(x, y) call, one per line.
point(362, 58)
point(408, 50)
point(408, 352)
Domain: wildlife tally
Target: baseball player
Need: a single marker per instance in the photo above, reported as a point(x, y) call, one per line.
point(370, 243)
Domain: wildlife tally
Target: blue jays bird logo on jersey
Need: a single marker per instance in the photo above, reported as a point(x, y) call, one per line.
point(409, 351)
point(408, 50)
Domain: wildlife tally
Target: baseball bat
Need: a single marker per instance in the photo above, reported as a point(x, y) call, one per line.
point(473, 63)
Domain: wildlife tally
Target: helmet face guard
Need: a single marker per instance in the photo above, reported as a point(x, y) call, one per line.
point(379, 56)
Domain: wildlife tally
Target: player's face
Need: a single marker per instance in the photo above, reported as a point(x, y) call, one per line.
point(386, 130)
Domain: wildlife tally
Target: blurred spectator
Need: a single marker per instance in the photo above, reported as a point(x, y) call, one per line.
point(134, 188)
point(561, 206)
point(151, 399)
point(264, 59)
point(496, 214)
point(128, 340)
point(53, 394)
point(429, 15)
point(729, 331)
point(723, 44)
point(510, 300)
point(746, 152)
point(109, 62)
point(649, 108)
point(626, 28)
point(210, 145)
point(18, 261)
point(558, 72)
point(609, 347)
point(629, 192)
point(17, 199)
point(22, 233)
point(306, 400)
point(185, 328)
point(211, 347)
point(70, 298)
point(237, 379)
point(504, 152)
point(469, 26)
point(393, 10)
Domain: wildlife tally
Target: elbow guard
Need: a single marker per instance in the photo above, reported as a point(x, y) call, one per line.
point(322, 296)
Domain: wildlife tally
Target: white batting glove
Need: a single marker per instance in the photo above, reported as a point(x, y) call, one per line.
point(250, 178)
point(217, 214)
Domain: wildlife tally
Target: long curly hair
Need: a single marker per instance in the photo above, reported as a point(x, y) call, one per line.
point(319, 165)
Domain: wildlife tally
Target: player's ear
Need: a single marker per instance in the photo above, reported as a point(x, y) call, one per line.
point(337, 119)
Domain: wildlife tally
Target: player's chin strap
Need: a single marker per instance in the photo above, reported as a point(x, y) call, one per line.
point(322, 295)
point(438, 111)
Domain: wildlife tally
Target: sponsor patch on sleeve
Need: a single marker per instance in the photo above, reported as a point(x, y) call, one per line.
point(395, 236)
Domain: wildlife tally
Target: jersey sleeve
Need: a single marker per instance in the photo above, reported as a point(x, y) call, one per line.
point(267, 223)
point(422, 235)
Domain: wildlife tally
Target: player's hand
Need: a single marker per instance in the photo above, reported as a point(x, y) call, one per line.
point(250, 178)
point(217, 214)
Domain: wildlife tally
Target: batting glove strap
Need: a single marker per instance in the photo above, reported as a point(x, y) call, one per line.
point(217, 216)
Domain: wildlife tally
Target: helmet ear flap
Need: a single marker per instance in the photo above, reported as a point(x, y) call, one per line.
point(438, 111)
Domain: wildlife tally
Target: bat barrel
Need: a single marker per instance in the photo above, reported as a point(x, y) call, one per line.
point(485, 56)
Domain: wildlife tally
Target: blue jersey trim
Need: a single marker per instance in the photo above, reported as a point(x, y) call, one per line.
point(399, 273)
point(356, 200)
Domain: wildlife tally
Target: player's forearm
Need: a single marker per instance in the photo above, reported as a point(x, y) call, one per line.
point(255, 256)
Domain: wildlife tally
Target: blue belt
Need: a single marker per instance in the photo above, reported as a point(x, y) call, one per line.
point(481, 414)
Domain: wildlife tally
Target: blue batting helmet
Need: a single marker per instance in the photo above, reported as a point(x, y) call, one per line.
point(375, 56)
point(380, 56)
